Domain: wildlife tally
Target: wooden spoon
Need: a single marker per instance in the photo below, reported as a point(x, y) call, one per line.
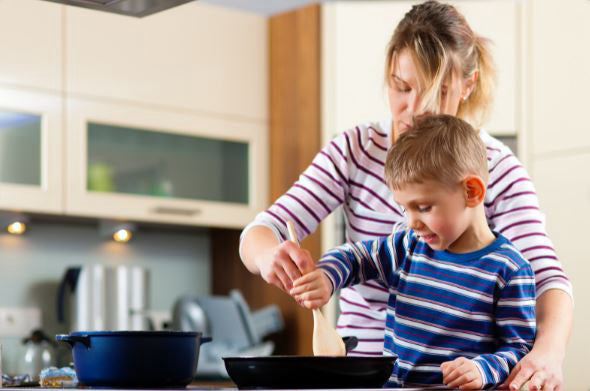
point(326, 341)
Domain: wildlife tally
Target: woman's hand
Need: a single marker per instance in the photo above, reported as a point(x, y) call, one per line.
point(461, 373)
point(281, 265)
point(542, 367)
point(313, 290)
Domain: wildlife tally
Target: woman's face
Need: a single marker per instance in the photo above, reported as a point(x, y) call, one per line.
point(404, 93)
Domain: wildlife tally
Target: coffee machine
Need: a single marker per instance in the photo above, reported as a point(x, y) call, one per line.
point(101, 297)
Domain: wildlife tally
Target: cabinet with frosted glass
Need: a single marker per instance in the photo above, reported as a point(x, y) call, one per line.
point(144, 163)
point(31, 138)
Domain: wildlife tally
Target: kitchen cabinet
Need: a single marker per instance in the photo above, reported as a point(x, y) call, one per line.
point(558, 75)
point(563, 187)
point(195, 56)
point(143, 163)
point(354, 40)
point(31, 44)
point(31, 158)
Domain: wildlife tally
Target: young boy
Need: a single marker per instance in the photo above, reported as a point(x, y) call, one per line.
point(461, 309)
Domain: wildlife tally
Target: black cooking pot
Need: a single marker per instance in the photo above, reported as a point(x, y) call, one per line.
point(303, 372)
point(133, 359)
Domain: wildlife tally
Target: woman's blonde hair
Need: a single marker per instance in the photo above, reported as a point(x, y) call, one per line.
point(440, 148)
point(443, 46)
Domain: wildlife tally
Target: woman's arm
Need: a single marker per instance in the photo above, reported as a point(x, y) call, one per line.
point(277, 263)
point(543, 365)
point(320, 189)
point(512, 208)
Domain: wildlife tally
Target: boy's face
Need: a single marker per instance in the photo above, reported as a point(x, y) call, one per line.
point(437, 213)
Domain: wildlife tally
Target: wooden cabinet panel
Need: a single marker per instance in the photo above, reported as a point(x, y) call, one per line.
point(31, 44)
point(195, 56)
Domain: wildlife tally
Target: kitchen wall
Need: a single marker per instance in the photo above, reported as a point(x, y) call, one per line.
point(32, 265)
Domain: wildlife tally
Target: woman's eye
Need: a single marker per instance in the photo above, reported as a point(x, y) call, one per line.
point(423, 209)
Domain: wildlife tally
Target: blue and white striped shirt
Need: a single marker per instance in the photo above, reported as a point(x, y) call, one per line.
point(442, 305)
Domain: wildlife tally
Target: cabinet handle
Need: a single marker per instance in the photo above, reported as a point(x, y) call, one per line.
point(175, 211)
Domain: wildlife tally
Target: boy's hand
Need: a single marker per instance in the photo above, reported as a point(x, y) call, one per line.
point(461, 373)
point(312, 290)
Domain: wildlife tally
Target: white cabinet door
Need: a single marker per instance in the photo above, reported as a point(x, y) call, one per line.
point(196, 56)
point(563, 186)
point(138, 163)
point(559, 77)
point(355, 36)
point(31, 139)
point(31, 43)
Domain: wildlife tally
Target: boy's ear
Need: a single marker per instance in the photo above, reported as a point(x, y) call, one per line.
point(474, 190)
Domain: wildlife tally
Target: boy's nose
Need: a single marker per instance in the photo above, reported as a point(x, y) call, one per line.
point(413, 222)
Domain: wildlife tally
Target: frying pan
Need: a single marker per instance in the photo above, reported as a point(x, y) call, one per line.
point(305, 372)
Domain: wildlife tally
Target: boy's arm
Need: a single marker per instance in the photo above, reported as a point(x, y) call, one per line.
point(515, 322)
point(358, 262)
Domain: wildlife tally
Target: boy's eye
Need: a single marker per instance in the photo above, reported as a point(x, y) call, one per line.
point(423, 209)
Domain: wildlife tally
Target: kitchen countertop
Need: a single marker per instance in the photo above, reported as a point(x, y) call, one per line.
point(209, 388)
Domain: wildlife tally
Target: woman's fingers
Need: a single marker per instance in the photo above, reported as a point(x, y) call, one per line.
point(519, 377)
point(300, 257)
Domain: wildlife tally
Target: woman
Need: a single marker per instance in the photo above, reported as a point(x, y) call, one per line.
point(435, 63)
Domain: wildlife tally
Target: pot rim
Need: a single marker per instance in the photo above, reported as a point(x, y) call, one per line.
point(132, 333)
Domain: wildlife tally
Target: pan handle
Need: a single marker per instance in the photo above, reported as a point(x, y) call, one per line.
point(206, 339)
point(72, 339)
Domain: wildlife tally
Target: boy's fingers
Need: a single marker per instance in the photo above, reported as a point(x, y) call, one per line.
point(303, 280)
point(455, 372)
point(313, 304)
point(472, 385)
point(311, 295)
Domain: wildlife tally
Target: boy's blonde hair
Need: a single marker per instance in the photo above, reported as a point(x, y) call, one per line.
point(439, 147)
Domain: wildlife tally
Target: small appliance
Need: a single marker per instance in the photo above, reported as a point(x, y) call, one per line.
point(234, 329)
point(101, 297)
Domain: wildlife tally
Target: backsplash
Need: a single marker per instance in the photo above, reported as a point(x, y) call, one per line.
point(32, 265)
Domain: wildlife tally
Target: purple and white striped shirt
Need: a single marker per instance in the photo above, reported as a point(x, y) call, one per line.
point(349, 172)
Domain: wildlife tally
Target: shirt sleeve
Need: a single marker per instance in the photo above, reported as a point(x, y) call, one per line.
point(353, 263)
point(320, 189)
point(512, 208)
point(516, 325)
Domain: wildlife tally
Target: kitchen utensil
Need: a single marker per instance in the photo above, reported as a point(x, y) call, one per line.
point(305, 372)
point(350, 343)
point(235, 329)
point(134, 358)
point(38, 354)
point(326, 341)
point(104, 298)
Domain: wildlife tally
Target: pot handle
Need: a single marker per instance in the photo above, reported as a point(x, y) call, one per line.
point(72, 339)
point(206, 339)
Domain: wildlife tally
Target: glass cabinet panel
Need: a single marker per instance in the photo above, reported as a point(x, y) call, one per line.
point(20, 148)
point(162, 164)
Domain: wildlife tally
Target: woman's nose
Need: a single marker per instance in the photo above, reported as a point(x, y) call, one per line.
point(413, 104)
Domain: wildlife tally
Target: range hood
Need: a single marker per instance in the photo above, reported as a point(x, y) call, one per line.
point(136, 8)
